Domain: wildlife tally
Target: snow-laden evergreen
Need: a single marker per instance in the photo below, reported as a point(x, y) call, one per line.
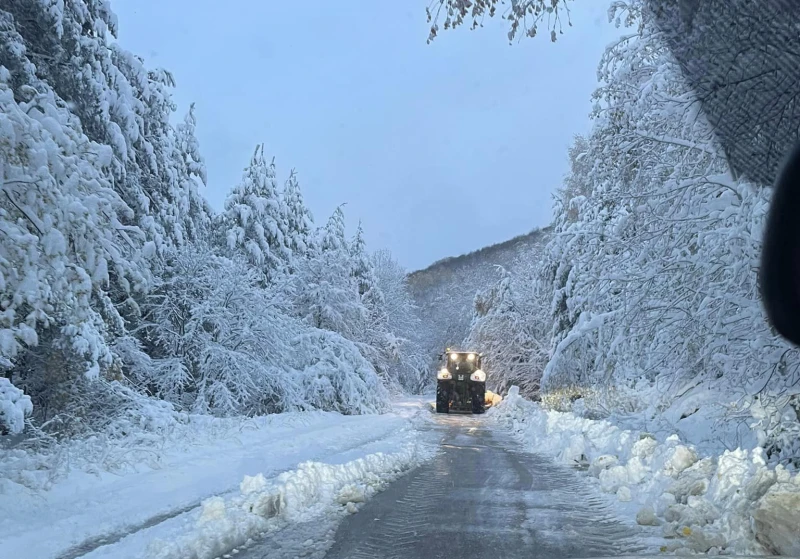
point(299, 223)
point(254, 220)
point(325, 289)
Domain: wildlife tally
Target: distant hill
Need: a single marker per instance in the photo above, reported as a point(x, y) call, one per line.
point(445, 290)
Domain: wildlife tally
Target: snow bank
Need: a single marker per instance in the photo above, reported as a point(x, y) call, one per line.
point(300, 495)
point(74, 499)
point(732, 502)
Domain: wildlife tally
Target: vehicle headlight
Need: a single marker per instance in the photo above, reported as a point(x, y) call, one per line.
point(471, 357)
point(454, 356)
point(478, 376)
point(444, 374)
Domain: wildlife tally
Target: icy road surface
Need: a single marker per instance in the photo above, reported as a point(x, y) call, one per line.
point(479, 497)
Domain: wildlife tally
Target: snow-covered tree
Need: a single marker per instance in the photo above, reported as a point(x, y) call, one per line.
point(64, 230)
point(504, 328)
point(326, 291)
point(254, 220)
point(115, 291)
point(299, 220)
point(194, 209)
point(120, 104)
point(654, 270)
point(410, 367)
point(378, 343)
point(212, 327)
point(222, 347)
point(332, 237)
point(362, 268)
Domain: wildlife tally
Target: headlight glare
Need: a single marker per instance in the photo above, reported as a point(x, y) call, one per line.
point(444, 374)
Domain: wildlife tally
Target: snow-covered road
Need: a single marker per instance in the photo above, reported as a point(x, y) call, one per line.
point(105, 515)
point(479, 497)
point(408, 483)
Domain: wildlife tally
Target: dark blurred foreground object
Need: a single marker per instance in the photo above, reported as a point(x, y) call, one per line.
point(780, 254)
point(742, 59)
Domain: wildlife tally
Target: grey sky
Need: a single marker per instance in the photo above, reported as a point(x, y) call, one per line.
point(439, 149)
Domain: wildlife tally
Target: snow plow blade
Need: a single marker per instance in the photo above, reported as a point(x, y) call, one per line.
point(491, 399)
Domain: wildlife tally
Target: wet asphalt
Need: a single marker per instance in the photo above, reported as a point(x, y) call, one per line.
point(480, 497)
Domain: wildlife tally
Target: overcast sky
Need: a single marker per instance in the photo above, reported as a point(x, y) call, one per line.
point(438, 149)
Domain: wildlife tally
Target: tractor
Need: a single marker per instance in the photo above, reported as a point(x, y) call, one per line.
point(460, 383)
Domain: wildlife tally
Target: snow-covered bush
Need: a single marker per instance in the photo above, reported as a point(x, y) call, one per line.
point(334, 375)
point(14, 406)
point(222, 345)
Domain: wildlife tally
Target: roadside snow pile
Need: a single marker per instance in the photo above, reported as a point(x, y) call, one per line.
point(311, 491)
point(728, 503)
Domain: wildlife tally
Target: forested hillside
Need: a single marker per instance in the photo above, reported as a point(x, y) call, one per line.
point(124, 296)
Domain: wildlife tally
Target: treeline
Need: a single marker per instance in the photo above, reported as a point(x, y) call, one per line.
point(649, 285)
point(119, 286)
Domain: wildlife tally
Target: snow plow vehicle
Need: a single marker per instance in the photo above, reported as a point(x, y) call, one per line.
point(460, 383)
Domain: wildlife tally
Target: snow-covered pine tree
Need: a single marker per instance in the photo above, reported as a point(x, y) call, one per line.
point(326, 291)
point(254, 220)
point(332, 237)
point(362, 268)
point(194, 209)
point(299, 220)
point(379, 345)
